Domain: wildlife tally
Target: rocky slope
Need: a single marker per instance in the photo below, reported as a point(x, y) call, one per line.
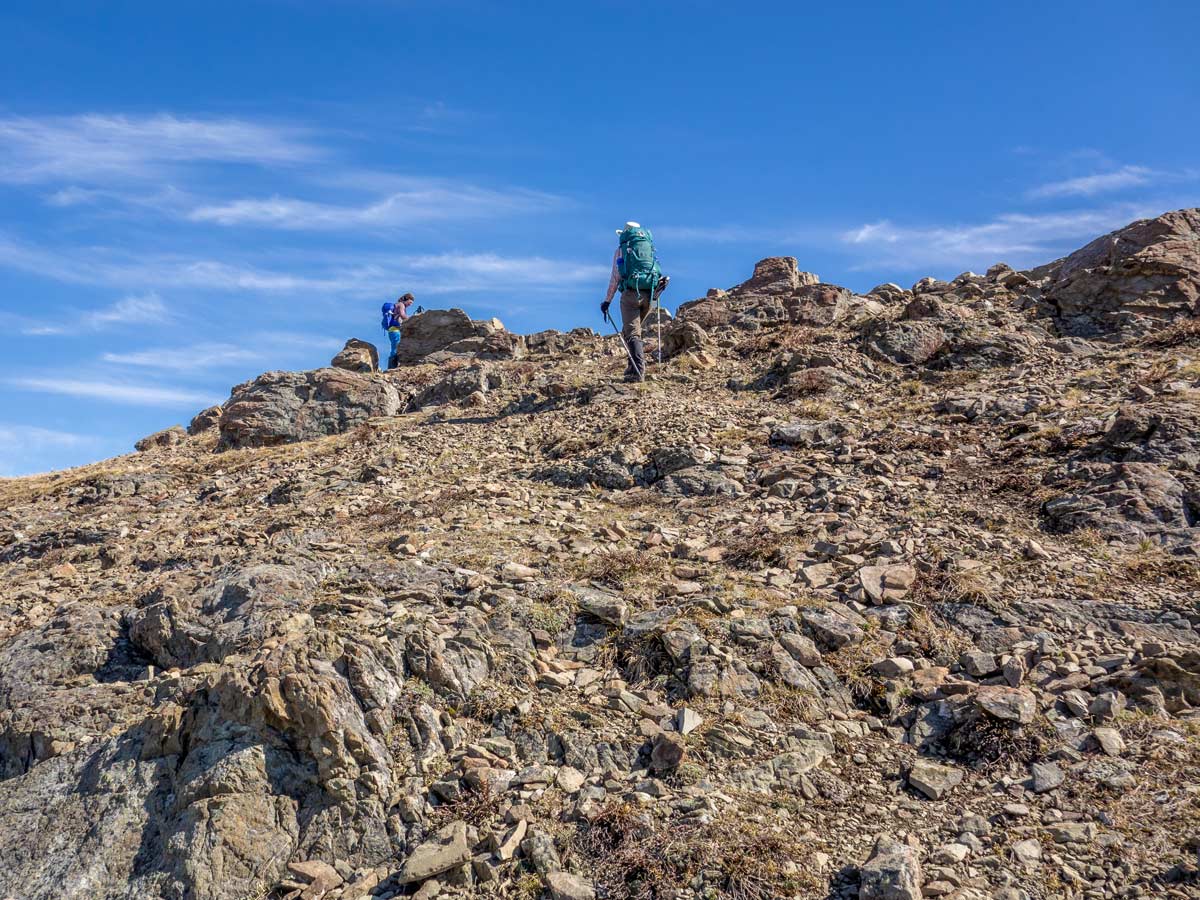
point(884, 596)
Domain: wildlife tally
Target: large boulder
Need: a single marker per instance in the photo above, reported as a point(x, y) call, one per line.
point(775, 275)
point(683, 337)
point(450, 330)
point(168, 437)
point(906, 343)
point(285, 407)
point(498, 344)
point(819, 304)
point(1128, 501)
point(826, 435)
point(1165, 434)
point(892, 873)
point(1138, 278)
point(777, 293)
point(357, 356)
point(551, 341)
point(705, 313)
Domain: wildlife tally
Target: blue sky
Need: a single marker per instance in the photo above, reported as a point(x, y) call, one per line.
point(193, 193)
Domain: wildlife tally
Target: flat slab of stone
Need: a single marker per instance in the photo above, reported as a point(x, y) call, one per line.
point(446, 850)
point(934, 780)
point(892, 873)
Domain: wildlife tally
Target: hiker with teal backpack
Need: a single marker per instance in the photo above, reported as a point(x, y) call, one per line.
point(394, 315)
point(636, 273)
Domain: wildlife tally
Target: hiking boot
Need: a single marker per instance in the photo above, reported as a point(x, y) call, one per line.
point(633, 377)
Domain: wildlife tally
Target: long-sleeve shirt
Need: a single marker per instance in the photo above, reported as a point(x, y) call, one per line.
point(614, 280)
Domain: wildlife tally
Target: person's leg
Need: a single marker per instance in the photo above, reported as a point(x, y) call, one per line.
point(394, 338)
point(644, 305)
point(631, 330)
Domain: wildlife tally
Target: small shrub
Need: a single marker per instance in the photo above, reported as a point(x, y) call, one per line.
point(476, 807)
point(754, 549)
point(996, 743)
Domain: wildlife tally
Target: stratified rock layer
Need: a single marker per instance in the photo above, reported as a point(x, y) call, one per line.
point(1138, 278)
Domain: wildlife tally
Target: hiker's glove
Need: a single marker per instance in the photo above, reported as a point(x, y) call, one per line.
point(604, 307)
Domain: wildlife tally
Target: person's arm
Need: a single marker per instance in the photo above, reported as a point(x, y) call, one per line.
point(614, 279)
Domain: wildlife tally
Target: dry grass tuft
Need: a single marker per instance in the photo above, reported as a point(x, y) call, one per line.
point(787, 337)
point(754, 549)
point(1153, 565)
point(633, 857)
point(1185, 331)
point(933, 634)
point(816, 410)
point(620, 568)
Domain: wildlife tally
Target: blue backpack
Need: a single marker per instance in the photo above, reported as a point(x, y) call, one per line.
point(387, 315)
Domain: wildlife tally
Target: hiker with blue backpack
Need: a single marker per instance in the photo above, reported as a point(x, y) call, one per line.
point(394, 315)
point(636, 273)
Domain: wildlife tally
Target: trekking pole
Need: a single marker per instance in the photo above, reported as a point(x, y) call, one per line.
point(621, 338)
point(656, 305)
point(658, 321)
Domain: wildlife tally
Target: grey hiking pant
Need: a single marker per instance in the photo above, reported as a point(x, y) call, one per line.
point(634, 308)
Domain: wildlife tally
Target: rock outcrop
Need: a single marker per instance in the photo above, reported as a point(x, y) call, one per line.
point(205, 420)
point(1138, 278)
point(357, 356)
point(168, 437)
point(773, 276)
point(440, 334)
point(285, 407)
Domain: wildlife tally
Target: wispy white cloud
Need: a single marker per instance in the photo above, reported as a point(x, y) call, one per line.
point(109, 267)
point(297, 341)
point(94, 147)
point(1016, 238)
point(115, 392)
point(118, 163)
point(194, 357)
point(142, 310)
point(30, 437)
point(351, 275)
point(146, 309)
point(1100, 183)
point(409, 202)
point(267, 347)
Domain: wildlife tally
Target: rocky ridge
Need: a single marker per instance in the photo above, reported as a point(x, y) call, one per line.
point(878, 596)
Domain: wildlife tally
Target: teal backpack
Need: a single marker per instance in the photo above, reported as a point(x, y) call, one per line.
point(638, 263)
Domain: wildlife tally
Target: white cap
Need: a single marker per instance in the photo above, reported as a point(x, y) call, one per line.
point(629, 225)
